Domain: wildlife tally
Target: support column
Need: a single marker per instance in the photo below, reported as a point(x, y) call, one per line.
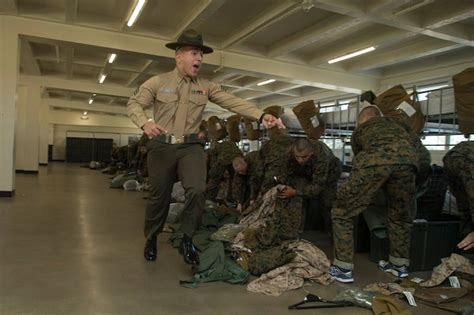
point(27, 128)
point(9, 57)
point(43, 133)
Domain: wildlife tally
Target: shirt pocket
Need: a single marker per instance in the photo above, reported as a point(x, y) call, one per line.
point(198, 100)
point(166, 103)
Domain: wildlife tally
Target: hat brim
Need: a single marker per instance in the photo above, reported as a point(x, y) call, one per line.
point(204, 49)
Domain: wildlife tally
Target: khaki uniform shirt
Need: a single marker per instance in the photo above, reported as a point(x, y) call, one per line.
point(179, 101)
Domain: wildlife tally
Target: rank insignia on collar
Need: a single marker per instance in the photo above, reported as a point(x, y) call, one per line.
point(199, 92)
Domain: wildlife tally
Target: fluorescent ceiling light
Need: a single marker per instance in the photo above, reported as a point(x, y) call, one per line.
point(112, 57)
point(85, 113)
point(90, 101)
point(266, 82)
point(353, 54)
point(136, 11)
point(102, 78)
point(94, 94)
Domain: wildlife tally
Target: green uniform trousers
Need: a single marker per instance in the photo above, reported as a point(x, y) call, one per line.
point(356, 193)
point(168, 163)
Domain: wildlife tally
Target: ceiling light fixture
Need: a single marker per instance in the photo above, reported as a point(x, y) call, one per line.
point(102, 78)
point(91, 100)
point(266, 82)
point(352, 54)
point(112, 57)
point(136, 11)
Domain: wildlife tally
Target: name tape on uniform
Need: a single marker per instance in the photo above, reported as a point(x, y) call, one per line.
point(315, 121)
point(407, 108)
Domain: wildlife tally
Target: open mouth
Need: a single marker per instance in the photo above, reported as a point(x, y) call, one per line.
point(196, 66)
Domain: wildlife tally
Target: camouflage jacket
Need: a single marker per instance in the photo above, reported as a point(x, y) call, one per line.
point(242, 182)
point(382, 141)
point(223, 153)
point(463, 151)
point(311, 179)
point(272, 159)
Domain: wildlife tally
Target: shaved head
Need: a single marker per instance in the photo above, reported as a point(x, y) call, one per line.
point(368, 113)
point(239, 165)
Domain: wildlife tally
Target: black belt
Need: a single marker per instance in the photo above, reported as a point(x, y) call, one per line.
point(172, 139)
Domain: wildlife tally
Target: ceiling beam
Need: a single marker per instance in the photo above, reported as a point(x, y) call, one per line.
point(8, 7)
point(442, 17)
point(319, 31)
point(71, 11)
point(258, 66)
point(291, 101)
point(28, 62)
point(134, 79)
point(404, 23)
point(196, 13)
point(403, 53)
point(84, 105)
point(266, 18)
point(362, 40)
point(76, 85)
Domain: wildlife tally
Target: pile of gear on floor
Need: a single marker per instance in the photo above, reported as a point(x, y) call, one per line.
point(235, 246)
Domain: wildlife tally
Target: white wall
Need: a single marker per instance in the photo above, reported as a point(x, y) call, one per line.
point(118, 134)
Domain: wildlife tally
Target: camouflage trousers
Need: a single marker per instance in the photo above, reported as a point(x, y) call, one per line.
point(460, 174)
point(356, 193)
point(215, 178)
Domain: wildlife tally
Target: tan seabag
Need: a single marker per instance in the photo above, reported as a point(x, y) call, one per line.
point(310, 119)
point(233, 124)
point(396, 102)
point(464, 99)
point(252, 129)
point(216, 128)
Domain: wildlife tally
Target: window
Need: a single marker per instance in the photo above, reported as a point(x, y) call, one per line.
point(424, 90)
point(455, 139)
point(435, 143)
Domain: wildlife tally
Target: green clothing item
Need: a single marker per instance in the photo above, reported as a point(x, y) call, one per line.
point(382, 141)
point(216, 266)
point(214, 263)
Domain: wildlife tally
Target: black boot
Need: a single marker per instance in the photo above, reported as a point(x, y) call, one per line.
point(150, 249)
point(188, 251)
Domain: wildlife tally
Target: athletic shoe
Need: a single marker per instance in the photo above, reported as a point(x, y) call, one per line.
point(341, 274)
point(397, 271)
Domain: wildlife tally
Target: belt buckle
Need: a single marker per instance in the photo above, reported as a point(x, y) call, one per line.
point(178, 140)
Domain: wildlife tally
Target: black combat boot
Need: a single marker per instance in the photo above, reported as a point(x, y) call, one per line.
point(150, 249)
point(189, 252)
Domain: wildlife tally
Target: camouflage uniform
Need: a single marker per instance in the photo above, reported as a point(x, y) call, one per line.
point(241, 185)
point(220, 158)
point(270, 240)
point(317, 178)
point(459, 169)
point(271, 164)
point(384, 158)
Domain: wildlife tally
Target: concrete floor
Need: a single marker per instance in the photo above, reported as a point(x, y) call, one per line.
point(71, 245)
